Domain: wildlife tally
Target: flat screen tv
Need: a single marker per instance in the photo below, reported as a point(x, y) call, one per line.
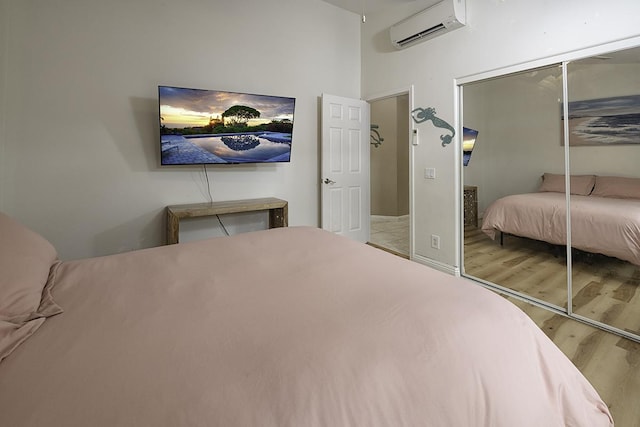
point(469, 137)
point(200, 126)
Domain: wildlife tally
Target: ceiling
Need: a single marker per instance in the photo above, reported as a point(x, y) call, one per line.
point(363, 7)
point(367, 6)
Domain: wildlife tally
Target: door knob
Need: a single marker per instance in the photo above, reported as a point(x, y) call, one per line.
point(328, 181)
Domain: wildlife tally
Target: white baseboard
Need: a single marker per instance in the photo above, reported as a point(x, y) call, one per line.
point(446, 268)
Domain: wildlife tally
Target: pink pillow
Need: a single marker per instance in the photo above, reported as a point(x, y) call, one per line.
point(579, 184)
point(617, 186)
point(25, 261)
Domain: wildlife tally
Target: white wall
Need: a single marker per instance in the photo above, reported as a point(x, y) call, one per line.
point(499, 34)
point(79, 153)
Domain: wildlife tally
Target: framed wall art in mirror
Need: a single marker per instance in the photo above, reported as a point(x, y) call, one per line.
point(605, 121)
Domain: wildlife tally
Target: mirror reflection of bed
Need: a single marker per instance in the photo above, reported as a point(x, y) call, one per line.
point(520, 122)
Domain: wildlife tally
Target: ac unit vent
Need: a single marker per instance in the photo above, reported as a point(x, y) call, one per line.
point(425, 33)
point(438, 19)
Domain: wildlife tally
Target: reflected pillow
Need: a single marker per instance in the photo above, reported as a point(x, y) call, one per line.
point(617, 186)
point(581, 185)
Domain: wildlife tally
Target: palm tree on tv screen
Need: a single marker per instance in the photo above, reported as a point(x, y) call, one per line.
point(240, 114)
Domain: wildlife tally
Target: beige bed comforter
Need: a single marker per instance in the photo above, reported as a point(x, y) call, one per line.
point(286, 327)
point(602, 225)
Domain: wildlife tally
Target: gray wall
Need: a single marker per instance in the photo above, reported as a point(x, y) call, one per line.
point(390, 161)
point(79, 145)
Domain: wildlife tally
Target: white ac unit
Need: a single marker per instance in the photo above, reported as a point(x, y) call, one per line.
point(438, 19)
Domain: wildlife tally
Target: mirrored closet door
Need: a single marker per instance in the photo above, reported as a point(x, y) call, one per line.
point(516, 118)
point(604, 142)
point(520, 179)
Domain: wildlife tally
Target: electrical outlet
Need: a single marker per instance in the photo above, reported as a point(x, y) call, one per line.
point(435, 241)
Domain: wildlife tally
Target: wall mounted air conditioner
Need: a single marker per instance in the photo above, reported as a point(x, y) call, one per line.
point(438, 19)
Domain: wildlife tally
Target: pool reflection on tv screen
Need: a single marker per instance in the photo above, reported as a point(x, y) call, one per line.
point(200, 126)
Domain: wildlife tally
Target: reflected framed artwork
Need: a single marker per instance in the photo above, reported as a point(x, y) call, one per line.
point(604, 121)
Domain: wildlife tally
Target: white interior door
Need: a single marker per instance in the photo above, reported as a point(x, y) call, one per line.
point(345, 167)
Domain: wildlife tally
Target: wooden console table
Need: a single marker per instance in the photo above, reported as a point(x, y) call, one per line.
point(278, 212)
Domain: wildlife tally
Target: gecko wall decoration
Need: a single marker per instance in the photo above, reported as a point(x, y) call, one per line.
point(421, 115)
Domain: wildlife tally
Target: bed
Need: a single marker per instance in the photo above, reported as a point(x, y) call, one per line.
point(605, 215)
point(283, 327)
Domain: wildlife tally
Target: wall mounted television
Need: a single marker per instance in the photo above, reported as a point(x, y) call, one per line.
point(469, 137)
point(201, 126)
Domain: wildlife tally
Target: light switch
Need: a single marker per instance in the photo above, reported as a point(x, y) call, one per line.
point(430, 173)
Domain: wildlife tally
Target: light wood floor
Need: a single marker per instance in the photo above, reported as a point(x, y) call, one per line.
point(605, 289)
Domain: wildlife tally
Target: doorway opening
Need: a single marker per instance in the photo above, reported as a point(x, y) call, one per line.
point(390, 174)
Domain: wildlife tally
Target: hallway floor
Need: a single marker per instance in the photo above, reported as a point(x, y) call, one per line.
point(391, 233)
